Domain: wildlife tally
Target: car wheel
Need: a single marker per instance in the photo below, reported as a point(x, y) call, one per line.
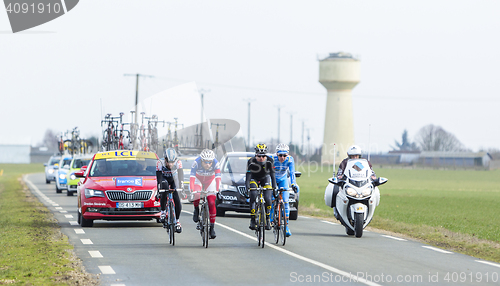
point(79, 219)
point(58, 190)
point(86, 222)
point(69, 193)
point(221, 213)
point(47, 181)
point(294, 215)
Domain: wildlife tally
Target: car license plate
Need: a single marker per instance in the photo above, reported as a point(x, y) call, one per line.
point(129, 205)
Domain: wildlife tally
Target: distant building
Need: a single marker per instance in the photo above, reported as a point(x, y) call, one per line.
point(15, 154)
point(455, 159)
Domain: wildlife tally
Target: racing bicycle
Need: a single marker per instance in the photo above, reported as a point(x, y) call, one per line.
point(204, 219)
point(260, 212)
point(170, 220)
point(279, 218)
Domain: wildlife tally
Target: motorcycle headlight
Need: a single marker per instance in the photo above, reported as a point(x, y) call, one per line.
point(72, 177)
point(351, 192)
point(366, 192)
point(89, 193)
point(62, 176)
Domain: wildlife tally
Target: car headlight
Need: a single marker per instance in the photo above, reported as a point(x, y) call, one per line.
point(89, 193)
point(51, 171)
point(72, 177)
point(351, 192)
point(62, 176)
point(227, 187)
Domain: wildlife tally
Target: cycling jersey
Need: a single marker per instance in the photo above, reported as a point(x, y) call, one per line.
point(205, 176)
point(281, 169)
point(257, 172)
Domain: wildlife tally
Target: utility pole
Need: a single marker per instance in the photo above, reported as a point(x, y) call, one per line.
point(249, 100)
point(137, 89)
point(202, 92)
point(302, 147)
point(279, 108)
point(291, 127)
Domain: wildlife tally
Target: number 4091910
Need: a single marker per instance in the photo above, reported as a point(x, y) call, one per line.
point(40, 8)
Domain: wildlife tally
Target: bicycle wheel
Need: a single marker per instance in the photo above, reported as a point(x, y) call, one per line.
point(276, 222)
point(263, 222)
point(202, 224)
point(258, 231)
point(282, 223)
point(171, 221)
point(206, 223)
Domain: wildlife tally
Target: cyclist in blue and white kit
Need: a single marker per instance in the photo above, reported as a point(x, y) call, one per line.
point(283, 163)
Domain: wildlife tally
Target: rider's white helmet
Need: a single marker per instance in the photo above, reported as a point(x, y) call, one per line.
point(170, 155)
point(354, 150)
point(207, 155)
point(282, 148)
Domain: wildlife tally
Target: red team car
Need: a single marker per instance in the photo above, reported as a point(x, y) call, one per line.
point(118, 185)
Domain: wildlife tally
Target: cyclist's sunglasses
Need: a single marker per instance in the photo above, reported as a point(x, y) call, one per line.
point(282, 155)
point(208, 162)
point(260, 156)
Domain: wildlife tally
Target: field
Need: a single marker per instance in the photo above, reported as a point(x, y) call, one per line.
point(448, 208)
point(34, 252)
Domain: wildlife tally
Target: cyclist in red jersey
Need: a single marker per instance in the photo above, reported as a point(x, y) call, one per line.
point(205, 173)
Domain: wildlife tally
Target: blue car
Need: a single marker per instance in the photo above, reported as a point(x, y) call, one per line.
point(61, 171)
point(50, 168)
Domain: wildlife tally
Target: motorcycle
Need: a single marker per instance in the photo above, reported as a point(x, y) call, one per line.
point(354, 197)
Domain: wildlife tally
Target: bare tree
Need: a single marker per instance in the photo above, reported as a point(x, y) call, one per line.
point(405, 144)
point(50, 140)
point(435, 138)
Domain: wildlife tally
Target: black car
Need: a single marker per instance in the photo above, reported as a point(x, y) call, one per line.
point(233, 194)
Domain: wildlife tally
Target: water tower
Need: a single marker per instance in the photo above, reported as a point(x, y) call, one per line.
point(339, 73)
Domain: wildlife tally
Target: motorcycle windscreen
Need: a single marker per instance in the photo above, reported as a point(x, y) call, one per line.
point(358, 172)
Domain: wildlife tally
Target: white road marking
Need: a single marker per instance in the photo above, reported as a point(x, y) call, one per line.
point(72, 222)
point(68, 216)
point(55, 205)
point(437, 249)
point(86, 241)
point(314, 262)
point(489, 263)
point(79, 231)
point(95, 254)
point(393, 237)
point(59, 208)
point(107, 270)
point(63, 212)
point(329, 222)
point(306, 217)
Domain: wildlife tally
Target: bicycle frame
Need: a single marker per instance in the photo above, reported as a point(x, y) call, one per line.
point(261, 215)
point(170, 219)
point(204, 218)
point(279, 218)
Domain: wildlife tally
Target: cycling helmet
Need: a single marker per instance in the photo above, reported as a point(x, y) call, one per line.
point(354, 150)
point(207, 155)
point(282, 148)
point(170, 155)
point(261, 148)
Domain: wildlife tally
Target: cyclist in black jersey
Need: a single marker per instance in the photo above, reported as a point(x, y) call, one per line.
point(260, 173)
point(172, 175)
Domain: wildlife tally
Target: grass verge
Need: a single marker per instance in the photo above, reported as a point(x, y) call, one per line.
point(34, 251)
point(454, 210)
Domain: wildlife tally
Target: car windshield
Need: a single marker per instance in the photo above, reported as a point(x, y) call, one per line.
point(135, 167)
point(359, 183)
point(236, 165)
point(54, 161)
point(66, 162)
point(187, 163)
point(78, 163)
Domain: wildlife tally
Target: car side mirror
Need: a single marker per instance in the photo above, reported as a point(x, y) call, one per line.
point(380, 181)
point(56, 167)
point(298, 174)
point(84, 168)
point(45, 164)
point(79, 174)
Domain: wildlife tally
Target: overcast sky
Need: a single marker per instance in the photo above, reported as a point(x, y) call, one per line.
point(422, 62)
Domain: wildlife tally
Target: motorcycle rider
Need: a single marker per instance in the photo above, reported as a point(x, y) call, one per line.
point(260, 172)
point(173, 175)
point(205, 173)
point(283, 164)
point(354, 152)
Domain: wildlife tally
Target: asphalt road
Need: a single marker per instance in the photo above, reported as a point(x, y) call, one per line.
point(318, 252)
